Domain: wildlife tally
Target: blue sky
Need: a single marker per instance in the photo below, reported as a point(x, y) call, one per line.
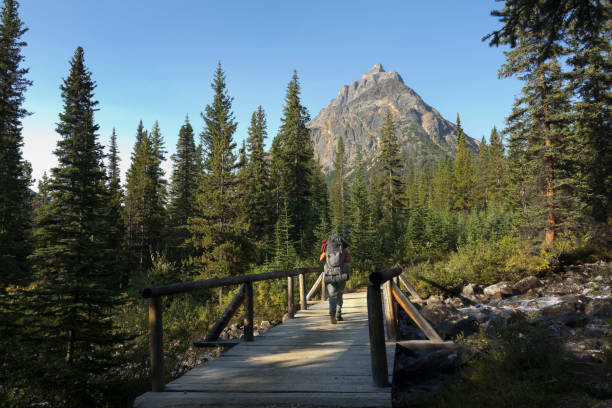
point(154, 60)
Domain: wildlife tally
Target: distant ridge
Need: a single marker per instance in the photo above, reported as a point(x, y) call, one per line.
point(357, 113)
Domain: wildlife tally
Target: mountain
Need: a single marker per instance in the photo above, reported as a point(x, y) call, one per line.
point(357, 114)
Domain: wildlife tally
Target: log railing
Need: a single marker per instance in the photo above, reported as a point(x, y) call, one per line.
point(244, 296)
point(391, 298)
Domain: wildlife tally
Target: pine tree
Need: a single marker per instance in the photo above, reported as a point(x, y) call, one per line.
point(539, 34)
point(217, 230)
point(442, 186)
point(481, 190)
point(339, 193)
point(591, 81)
point(464, 180)
point(258, 204)
point(497, 172)
point(76, 293)
point(15, 172)
point(115, 210)
point(390, 188)
point(145, 197)
point(183, 188)
point(293, 158)
point(361, 238)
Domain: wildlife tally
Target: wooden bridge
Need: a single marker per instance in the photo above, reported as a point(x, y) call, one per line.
point(305, 362)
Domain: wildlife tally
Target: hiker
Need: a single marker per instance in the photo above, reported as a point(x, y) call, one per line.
point(334, 252)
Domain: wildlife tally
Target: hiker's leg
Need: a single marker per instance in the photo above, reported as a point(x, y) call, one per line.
point(331, 292)
point(339, 291)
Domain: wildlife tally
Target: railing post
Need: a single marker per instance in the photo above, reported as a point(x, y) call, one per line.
point(302, 292)
point(290, 309)
point(156, 345)
point(323, 293)
point(378, 352)
point(248, 311)
point(390, 311)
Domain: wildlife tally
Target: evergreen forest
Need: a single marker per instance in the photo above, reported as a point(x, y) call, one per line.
point(76, 254)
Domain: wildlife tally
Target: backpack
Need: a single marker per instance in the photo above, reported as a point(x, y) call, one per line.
point(335, 268)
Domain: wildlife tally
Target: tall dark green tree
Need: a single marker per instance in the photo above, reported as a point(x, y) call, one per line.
point(339, 197)
point(256, 190)
point(497, 173)
point(361, 235)
point(115, 210)
point(76, 293)
point(464, 176)
point(183, 189)
point(15, 172)
point(388, 189)
point(293, 162)
point(144, 200)
point(540, 34)
point(217, 230)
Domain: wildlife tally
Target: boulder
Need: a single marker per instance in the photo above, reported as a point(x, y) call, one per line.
point(525, 284)
point(435, 300)
point(501, 317)
point(454, 302)
point(470, 290)
point(420, 364)
point(568, 306)
point(449, 322)
point(264, 326)
point(503, 288)
point(599, 308)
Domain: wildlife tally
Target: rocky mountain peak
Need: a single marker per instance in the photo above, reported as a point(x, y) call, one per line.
point(357, 113)
point(375, 69)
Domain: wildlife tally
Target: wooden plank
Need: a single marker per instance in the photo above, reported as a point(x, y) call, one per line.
point(378, 358)
point(426, 344)
point(390, 315)
point(315, 286)
point(216, 343)
point(290, 308)
point(156, 344)
point(414, 314)
point(313, 399)
point(214, 333)
point(410, 288)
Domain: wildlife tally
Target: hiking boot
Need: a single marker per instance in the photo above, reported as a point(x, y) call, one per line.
point(332, 319)
point(339, 318)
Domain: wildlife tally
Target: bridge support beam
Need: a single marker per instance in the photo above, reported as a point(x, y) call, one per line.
point(156, 345)
point(378, 352)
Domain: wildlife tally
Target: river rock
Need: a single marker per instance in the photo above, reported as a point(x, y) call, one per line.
point(420, 364)
point(525, 284)
point(503, 288)
point(568, 306)
point(435, 300)
point(449, 322)
point(454, 302)
point(599, 308)
point(470, 290)
point(499, 317)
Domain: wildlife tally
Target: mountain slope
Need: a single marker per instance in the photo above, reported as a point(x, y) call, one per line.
point(357, 113)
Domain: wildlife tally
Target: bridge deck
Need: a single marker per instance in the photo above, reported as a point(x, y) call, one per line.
point(304, 362)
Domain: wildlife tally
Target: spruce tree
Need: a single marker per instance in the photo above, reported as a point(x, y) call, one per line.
point(464, 180)
point(76, 293)
point(217, 231)
point(183, 188)
point(15, 172)
point(442, 186)
point(293, 158)
point(391, 166)
point(497, 172)
point(256, 190)
point(339, 193)
point(388, 190)
point(115, 209)
point(361, 238)
point(481, 190)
